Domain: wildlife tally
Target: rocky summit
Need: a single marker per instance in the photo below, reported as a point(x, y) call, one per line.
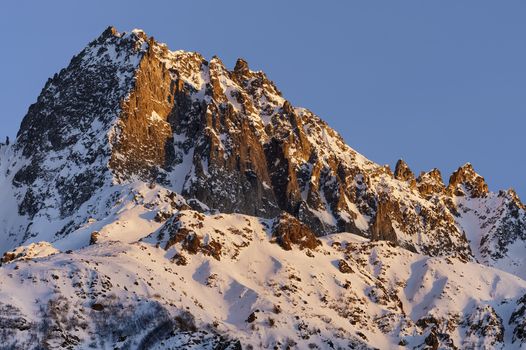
point(154, 199)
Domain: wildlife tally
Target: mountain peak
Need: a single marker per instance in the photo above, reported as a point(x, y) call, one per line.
point(465, 181)
point(430, 183)
point(110, 31)
point(241, 67)
point(138, 32)
point(514, 198)
point(128, 110)
point(403, 172)
point(163, 166)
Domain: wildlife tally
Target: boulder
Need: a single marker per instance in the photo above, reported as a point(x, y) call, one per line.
point(289, 231)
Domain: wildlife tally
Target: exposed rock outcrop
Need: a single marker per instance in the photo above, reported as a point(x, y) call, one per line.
point(403, 172)
point(289, 231)
point(465, 181)
point(142, 145)
point(382, 227)
point(430, 183)
point(31, 251)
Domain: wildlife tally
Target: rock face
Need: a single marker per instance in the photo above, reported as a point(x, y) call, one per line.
point(465, 181)
point(404, 173)
point(140, 145)
point(485, 328)
point(64, 135)
point(128, 110)
point(500, 238)
point(430, 183)
point(382, 227)
point(289, 231)
point(518, 321)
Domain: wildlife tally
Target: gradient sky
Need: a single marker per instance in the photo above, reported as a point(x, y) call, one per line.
point(438, 83)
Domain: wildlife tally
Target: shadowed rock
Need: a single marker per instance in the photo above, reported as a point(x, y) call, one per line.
point(382, 227)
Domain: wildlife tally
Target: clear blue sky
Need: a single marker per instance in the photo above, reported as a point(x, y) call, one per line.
point(439, 83)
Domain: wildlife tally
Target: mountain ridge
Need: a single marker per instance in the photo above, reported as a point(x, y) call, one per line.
point(137, 144)
point(227, 139)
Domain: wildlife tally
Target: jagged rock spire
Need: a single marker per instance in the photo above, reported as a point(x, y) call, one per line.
point(515, 198)
point(465, 179)
point(382, 227)
point(241, 67)
point(111, 30)
point(403, 172)
point(430, 183)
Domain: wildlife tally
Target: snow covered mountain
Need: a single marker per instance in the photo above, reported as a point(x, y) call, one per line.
point(198, 204)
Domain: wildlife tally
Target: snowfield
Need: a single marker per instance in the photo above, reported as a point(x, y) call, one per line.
point(257, 293)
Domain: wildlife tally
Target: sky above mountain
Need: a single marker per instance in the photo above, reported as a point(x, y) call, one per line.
point(436, 83)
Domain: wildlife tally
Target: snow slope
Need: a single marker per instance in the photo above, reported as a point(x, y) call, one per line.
point(254, 292)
